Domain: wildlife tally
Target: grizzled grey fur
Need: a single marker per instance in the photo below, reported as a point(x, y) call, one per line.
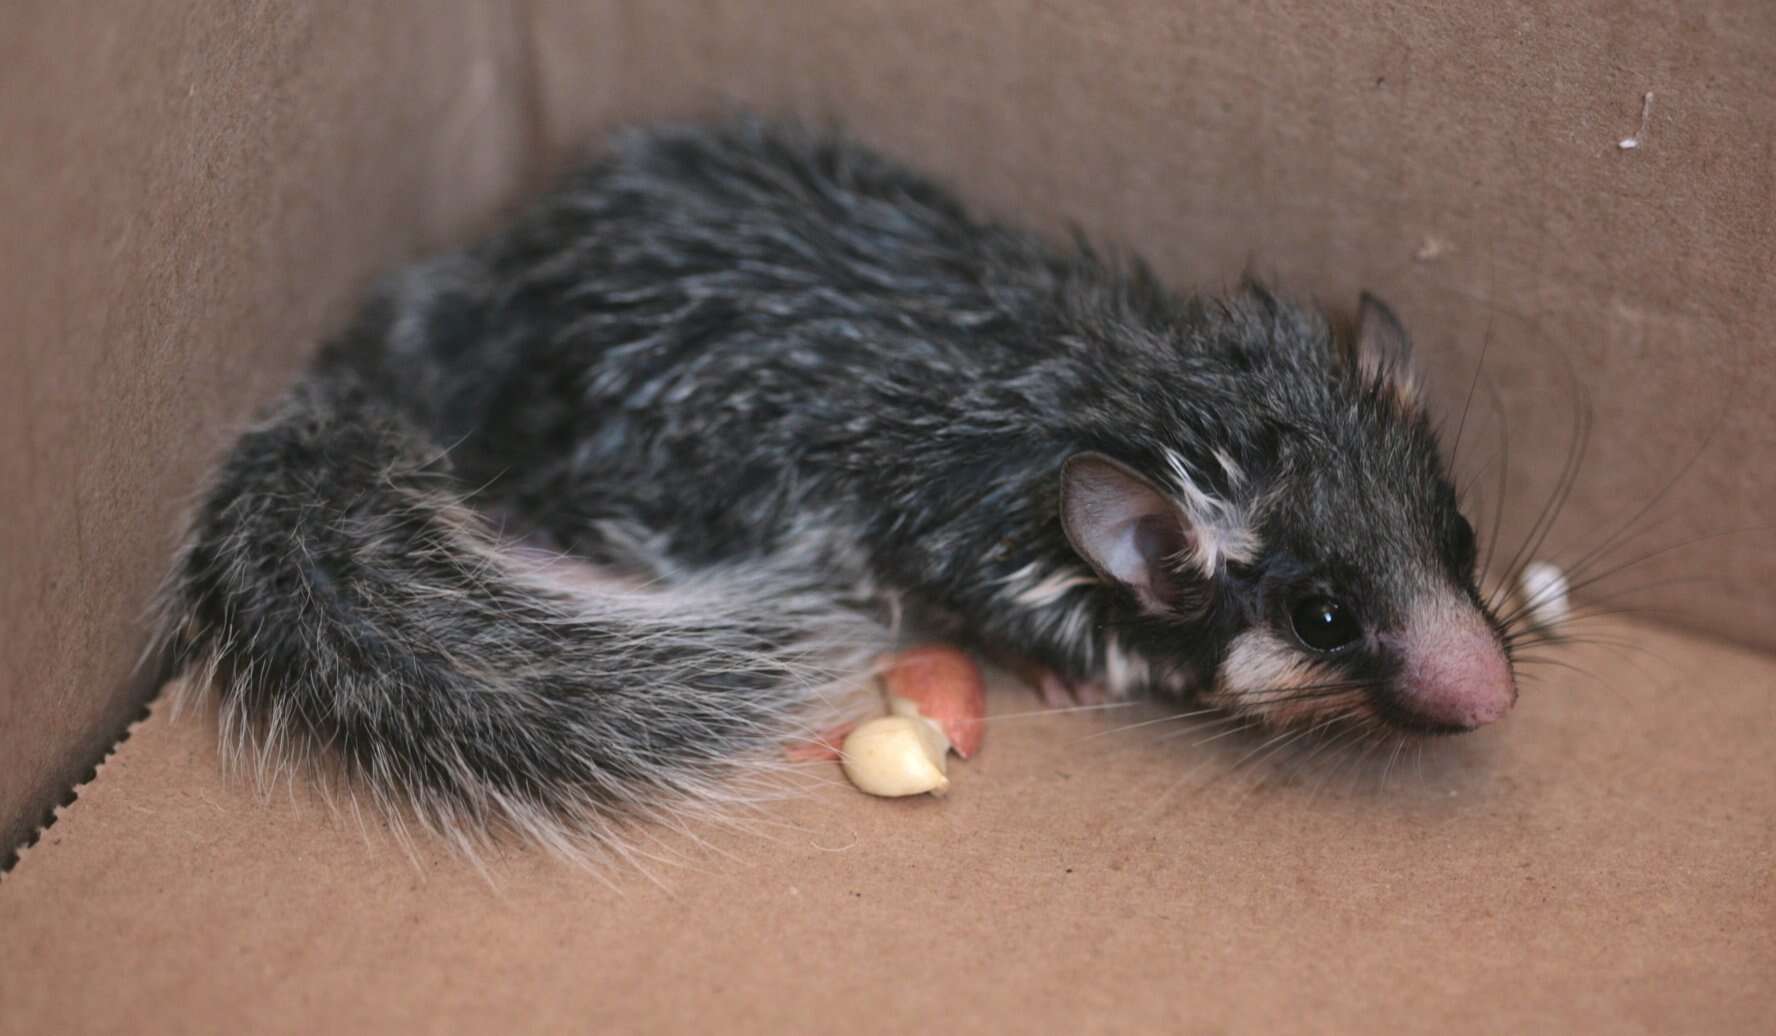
point(786, 385)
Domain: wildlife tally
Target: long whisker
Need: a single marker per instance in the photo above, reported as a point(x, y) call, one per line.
point(1171, 717)
point(1577, 445)
point(1065, 709)
point(1523, 617)
point(1498, 506)
point(1358, 751)
point(1473, 383)
point(1266, 697)
point(1244, 724)
point(1344, 740)
point(1340, 717)
point(1279, 739)
point(1559, 664)
point(1553, 632)
point(1593, 580)
point(1652, 502)
point(1399, 746)
point(1466, 489)
point(1239, 723)
point(1204, 719)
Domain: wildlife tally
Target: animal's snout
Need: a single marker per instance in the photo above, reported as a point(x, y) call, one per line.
point(1454, 672)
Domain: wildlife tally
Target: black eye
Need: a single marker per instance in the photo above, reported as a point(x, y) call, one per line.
point(1324, 624)
point(1466, 548)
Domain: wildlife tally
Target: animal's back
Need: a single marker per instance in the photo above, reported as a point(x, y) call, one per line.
point(708, 330)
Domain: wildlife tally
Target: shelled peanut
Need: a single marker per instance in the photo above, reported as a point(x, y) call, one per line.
point(936, 698)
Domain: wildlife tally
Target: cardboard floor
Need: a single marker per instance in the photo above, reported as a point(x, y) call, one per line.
point(1603, 861)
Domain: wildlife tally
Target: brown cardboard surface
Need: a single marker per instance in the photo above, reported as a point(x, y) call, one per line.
point(190, 193)
point(1604, 861)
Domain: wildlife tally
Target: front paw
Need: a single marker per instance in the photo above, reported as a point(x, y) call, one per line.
point(1055, 690)
point(1060, 693)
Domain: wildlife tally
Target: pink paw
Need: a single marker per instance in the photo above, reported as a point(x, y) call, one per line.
point(1058, 693)
point(1055, 691)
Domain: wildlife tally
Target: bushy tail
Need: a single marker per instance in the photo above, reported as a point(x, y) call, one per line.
point(348, 609)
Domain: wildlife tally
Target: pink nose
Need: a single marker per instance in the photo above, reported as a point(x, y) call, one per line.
point(1455, 672)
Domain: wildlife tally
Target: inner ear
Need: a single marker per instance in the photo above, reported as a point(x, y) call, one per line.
point(1383, 351)
point(1380, 334)
point(1127, 530)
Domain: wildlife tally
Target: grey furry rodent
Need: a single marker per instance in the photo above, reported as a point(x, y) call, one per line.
point(789, 386)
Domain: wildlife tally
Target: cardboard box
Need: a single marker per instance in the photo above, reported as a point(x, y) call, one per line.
point(192, 192)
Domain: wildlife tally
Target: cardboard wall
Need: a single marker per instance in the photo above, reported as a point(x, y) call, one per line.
point(192, 191)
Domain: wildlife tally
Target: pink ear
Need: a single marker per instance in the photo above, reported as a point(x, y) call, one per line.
point(1383, 350)
point(1127, 530)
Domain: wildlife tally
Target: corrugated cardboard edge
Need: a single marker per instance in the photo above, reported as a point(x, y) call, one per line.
point(149, 691)
point(172, 247)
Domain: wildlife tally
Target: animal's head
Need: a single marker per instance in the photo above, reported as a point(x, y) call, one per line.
point(1328, 564)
